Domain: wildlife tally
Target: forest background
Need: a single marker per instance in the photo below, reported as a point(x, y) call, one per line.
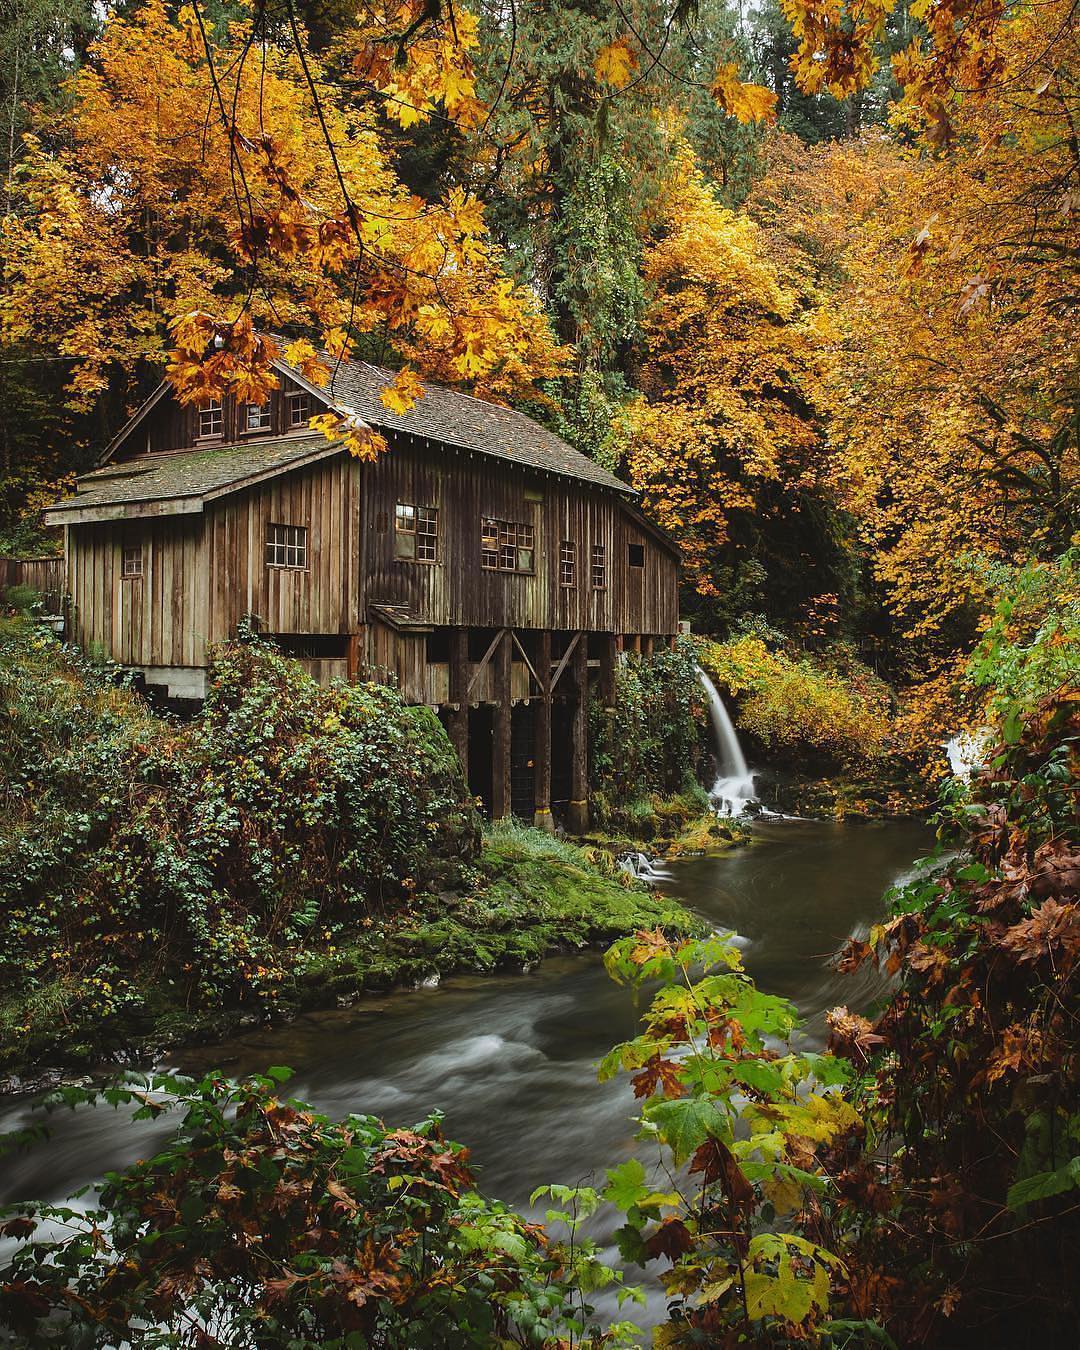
point(805, 274)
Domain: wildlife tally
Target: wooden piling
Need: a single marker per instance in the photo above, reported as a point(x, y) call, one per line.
point(577, 813)
point(500, 739)
point(542, 817)
point(458, 720)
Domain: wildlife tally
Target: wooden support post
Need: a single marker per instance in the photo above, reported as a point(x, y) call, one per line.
point(577, 813)
point(542, 817)
point(352, 657)
point(500, 739)
point(607, 670)
point(458, 721)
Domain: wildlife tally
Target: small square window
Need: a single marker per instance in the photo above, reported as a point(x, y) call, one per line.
point(258, 417)
point(131, 563)
point(416, 533)
point(599, 567)
point(635, 555)
point(286, 546)
point(299, 410)
point(210, 419)
point(567, 563)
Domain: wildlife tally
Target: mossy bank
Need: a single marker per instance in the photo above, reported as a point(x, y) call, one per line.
point(291, 847)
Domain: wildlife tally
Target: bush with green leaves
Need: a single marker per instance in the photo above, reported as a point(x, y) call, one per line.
point(135, 851)
point(650, 740)
point(263, 1223)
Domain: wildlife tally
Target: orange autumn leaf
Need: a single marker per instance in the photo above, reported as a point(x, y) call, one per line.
point(615, 64)
point(745, 102)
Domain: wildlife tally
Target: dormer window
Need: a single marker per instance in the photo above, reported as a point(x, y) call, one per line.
point(258, 417)
point(299, 410)
point(210, 420)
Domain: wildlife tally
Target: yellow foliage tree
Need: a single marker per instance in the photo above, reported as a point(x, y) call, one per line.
point(722, 428)
point(946, 325)
point(199, 194)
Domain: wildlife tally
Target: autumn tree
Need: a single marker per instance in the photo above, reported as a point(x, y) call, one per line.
point(205, 189)
point(945, 289)
point(723, 442)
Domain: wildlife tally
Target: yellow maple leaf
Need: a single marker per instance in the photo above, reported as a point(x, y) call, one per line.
point(745, 102)
point(400, 396)
point(302, 356)
point(615, 64)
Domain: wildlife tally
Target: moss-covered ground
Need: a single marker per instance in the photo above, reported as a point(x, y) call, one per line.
point(529, 895)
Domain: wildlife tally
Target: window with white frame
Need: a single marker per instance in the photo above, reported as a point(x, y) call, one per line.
point(258, 417)
point(599, 567)
point(299, 409)
point(131, 561)
point(507, 545)
point(210, 419)
point(286, 546)
point(416, 533)
point(567, 563)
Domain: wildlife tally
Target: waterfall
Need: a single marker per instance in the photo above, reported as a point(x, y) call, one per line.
point(733, 790)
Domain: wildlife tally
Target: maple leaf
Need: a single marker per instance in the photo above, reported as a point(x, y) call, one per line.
point(400, 396)
point(302, 356)
point(671, 1239)
point(745, 102)
point(1053, 929)
point(658, 1072)
point(615, 64)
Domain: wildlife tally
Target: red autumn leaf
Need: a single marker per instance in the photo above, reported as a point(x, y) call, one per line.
point(658, 1072)
point(717, 1163)
point(671, 1239)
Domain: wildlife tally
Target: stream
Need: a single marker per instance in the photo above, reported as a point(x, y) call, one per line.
point(510, 1059)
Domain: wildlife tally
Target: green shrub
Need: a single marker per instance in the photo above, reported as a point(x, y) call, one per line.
point(650, 741)
point(22, 598)
point(263, 1223)
point(135, 851)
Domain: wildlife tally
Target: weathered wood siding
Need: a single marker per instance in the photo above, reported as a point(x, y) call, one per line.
point(158, 619)
point(322, 598)
point(203, 573)
point(456, 591)
point(45, 575)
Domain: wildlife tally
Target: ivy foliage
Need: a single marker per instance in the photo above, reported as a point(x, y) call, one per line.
point(649, 740)
point(135, 851)
point(263, 1223)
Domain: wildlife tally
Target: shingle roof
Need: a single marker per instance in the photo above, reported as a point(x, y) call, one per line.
point(189, 474)
point(458, 419)
point(442, 415)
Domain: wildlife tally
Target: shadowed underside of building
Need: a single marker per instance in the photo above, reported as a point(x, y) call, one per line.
point(480, 564)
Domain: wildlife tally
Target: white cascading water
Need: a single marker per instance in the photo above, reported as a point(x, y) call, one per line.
point(733, 790)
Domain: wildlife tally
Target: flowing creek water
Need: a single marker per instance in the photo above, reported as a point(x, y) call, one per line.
point(510, 1059)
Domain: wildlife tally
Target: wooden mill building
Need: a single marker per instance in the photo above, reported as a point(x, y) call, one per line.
point(481, 564)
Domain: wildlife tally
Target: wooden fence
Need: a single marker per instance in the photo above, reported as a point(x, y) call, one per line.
point(45, 575)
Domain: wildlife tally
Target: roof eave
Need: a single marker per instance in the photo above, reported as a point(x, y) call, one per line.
point(147, 508)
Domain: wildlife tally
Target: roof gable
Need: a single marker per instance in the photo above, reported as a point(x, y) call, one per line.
point(442, 414)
